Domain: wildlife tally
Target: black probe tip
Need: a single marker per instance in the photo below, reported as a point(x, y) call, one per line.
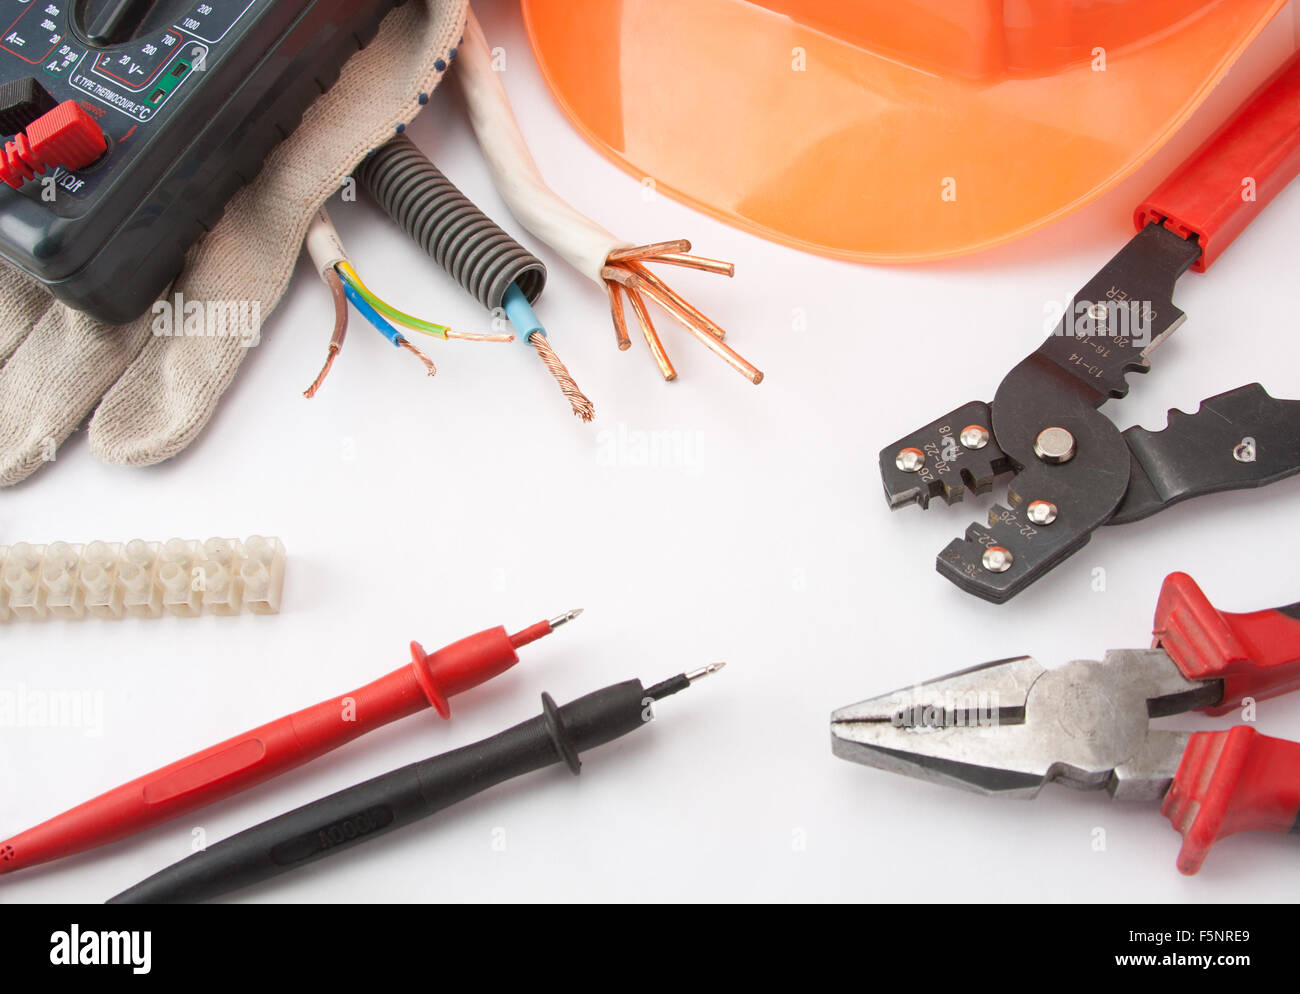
point(676, 684)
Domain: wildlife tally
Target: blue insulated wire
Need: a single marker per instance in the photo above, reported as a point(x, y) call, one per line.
point(370, 314)
point(520, 313)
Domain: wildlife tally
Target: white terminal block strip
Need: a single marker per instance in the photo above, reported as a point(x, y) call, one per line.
point(183, 577)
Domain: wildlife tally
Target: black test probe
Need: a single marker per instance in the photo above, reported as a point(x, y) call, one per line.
point(369, 809)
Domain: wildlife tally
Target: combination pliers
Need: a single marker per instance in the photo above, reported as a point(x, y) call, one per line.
point(1011, 726)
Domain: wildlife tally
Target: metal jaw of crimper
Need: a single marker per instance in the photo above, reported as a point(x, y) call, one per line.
point(1011, 726)
point(1072, 469)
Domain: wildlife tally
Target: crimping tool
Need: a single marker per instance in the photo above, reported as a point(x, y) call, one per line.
point(1011, 726)
point(1074, 470)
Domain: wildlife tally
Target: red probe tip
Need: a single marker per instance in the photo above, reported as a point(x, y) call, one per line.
point(533, 632)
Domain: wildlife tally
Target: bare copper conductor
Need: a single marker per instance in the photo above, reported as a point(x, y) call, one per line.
point(628, 269)
point(429, 368)
point(340, 298)
point(651, 336)
point(649, 251)
point(578, 400)
point(619, 318)
point(714, 266)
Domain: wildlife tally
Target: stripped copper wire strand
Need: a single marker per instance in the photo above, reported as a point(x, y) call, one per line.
point(651, 336)
point(340, 333)
point(581, 405)
point(469, 336)
point(715, 266)
point(697, 318)
point(638, 252)
point(628, 269)
point(714, 344)
point(429, 367)
point(618, 317)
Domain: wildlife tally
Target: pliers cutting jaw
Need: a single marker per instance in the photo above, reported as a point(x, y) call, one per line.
point(1009, 727)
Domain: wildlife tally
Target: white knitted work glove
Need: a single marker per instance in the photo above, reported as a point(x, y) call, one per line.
point(151, 394)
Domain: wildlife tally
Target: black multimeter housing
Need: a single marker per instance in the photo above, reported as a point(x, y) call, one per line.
point(191, 98)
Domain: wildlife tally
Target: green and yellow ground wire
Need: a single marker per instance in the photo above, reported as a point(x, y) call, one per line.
point(349, 275)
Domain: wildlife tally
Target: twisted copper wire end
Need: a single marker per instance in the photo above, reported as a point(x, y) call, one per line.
point(340, 297)
point(581, 405)
point(310, 392)
point(429, 367)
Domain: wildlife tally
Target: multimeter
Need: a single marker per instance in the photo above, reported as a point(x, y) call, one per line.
point(190, 98)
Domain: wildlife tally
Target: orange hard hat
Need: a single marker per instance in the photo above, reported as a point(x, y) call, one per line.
point(886, 130)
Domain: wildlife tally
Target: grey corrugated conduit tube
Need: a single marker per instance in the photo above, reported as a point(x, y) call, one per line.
point(458, 236)
point(465, 242)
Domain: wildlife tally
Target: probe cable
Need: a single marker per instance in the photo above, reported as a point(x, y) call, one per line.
point(241, 762)
point(370, 809)
point(608, 261)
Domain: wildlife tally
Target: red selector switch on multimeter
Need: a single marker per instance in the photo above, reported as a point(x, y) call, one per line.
point(128, 124)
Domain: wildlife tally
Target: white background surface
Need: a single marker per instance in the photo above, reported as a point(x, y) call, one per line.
point(432, 509)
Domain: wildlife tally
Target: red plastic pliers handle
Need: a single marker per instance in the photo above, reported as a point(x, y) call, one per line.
point(1239, 169)
point(1236, 780)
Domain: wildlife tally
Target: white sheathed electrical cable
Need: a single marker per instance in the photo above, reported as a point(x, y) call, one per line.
point(583, 243)
point(324, 245)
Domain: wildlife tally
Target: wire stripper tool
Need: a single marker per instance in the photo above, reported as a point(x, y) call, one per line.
point(1074, 470)
point(1011, 726)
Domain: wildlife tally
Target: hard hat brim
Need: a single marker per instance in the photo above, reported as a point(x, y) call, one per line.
point(817, 143)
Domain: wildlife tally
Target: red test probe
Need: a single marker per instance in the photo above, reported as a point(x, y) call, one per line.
point(249, 759)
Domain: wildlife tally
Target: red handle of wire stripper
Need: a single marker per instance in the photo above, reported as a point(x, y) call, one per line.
point(1217, 192)
point(1229, 782)
point(1256, 655)
point(274, 748)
